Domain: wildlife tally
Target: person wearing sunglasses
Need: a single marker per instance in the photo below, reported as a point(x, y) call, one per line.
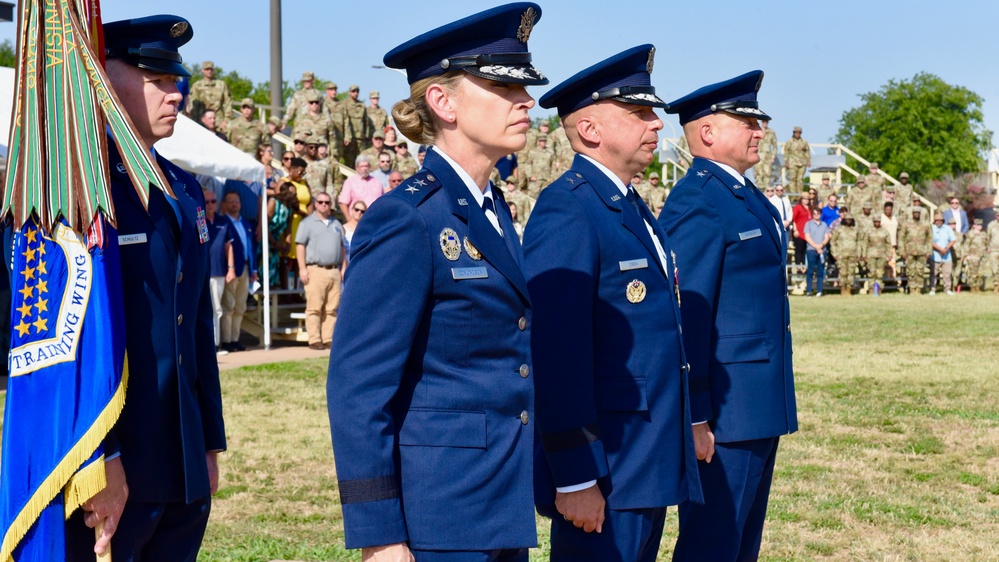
point(321, 251)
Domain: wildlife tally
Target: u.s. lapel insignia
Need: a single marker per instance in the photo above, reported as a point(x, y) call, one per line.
point(472, 251)
point(737, 186)
point(449, 244)
point(463, 202)
point(615, 197)
point(526, 25)
point(650, 62)
point(635, 291)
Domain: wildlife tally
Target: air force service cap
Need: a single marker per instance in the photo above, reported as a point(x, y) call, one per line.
point(736, 96)
point(625, 77)
point(491, 45)
point(151, 42)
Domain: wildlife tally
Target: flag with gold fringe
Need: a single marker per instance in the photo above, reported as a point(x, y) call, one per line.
point(68, 370)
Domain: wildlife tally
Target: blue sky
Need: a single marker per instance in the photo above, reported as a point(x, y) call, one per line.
point(818, 56)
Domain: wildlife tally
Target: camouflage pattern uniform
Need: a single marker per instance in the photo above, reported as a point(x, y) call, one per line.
point(976, 250)
point(845, 245)
point(538, 166)
point(824, 190)
point(377, 116)
point(993, 234)
point(360, 129)
point(956, 253)
point(915, 242)
point(406, 166)
point(877, 250)
point(248, 134)
point(298, 103)
point(875, 180)
point(319, 176)
point(764, 169)
point(318, 124)
point(520, 199)
point(563, 151)
point(340, 128)
point(861, 195)
point(210, 94)
point(903, 198)
point(797, 157)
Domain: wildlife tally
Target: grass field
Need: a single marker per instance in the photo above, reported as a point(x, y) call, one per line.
point(897, 458)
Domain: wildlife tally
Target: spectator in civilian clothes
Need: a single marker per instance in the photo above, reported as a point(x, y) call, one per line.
point(782, 203)
point(381, 173)
point(357, 211)
point(243, 272)
point(321, 252)
point(941, 266)
point(209, 122)
point(220, 255)
point(802, 213)
point(830, 213)
point(361, 186)
point(817, 238)
point(394, 180)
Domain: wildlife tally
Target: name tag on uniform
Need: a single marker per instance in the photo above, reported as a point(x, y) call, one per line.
point(126, 239)
point(459, 273)
point(633, 264)
point(750, 234)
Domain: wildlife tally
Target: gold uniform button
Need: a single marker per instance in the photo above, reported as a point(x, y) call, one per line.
point(180, 276)
point(524, 371)
point(522, 323)
point(180, 319)
point(180, 360)
point(525, 417)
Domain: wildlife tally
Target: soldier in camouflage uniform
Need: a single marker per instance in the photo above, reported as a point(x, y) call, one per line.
point(208, 93)
point(377, 148)
point(903, 197)
point(340, 125)
point(861, 195)
point(298, 104)
point(993, 235)
point(563, 152)
point(318, 174)
point(377, 116)
point(845, 245)
point(824, 189)
point(975, 249)
point(405, 164)
point(797, 159)
point(520, 199)
point(246, 133)
point(314, 121)
point(360, 126)
point(876, 250)
point(875, 180)
point(916, 244)
point(539, 166)
point(657, 194)
point(764, 169)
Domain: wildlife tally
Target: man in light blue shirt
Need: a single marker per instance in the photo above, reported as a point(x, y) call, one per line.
point(942, 264)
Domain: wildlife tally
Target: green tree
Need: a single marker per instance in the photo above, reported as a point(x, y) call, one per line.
point(7, 57)
point(923, 126)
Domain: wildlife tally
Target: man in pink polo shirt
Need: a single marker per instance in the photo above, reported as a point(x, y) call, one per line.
point(360, 187)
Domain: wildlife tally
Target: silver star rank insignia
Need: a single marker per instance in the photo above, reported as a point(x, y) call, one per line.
point(412, 189)
point(701, 174)
point(420, 183)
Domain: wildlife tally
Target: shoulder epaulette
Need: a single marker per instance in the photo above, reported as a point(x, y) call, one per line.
point(418, 187)
point(571, 179)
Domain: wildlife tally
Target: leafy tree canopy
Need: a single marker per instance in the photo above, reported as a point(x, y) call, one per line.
point(923, 126)
point(7, 57)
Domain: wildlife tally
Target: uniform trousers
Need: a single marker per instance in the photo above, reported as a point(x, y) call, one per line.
point(994, 263)
point(147, 532)
point(795, 178)
point(216, 285)
point(628, 535)
point(322, 299)
point(234, 306)
point(501, 555)
point(728, 526)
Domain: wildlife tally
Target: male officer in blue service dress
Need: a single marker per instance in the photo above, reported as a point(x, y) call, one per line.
point(430, 389)
point(731, 249)
point(611, 389)
point(171, 428)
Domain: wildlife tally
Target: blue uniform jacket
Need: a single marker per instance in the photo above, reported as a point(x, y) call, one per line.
point(173, 404)
point(430, 386)
point(611, 378)
point(240, 260)
point(736, 319)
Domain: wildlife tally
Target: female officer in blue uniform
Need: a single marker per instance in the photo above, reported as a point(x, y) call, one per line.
point(430, 387)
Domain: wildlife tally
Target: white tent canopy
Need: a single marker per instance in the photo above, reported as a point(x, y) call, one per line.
point(197, 150)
